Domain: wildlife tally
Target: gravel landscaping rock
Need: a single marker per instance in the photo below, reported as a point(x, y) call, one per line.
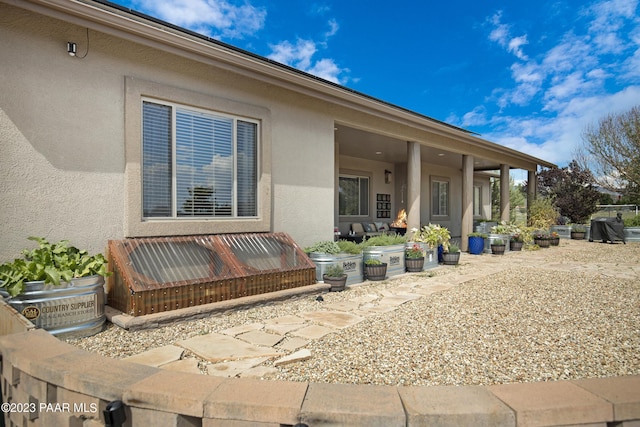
point(562, 313)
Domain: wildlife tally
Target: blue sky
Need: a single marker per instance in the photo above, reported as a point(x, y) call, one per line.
point(527, 75)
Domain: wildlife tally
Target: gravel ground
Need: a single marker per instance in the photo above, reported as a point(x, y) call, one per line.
point(520, 325)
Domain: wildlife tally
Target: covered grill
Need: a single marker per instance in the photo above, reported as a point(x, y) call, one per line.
point(607, 229)
point(153, 275)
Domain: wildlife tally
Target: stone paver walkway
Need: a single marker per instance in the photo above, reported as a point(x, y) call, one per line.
point(241, 351)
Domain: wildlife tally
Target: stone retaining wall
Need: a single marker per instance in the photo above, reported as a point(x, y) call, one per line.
point(54, 383)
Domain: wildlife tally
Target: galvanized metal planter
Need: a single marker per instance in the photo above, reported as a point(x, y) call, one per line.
point(350, 263)
point(74, 309)
point(392, 255)
point(632, 234)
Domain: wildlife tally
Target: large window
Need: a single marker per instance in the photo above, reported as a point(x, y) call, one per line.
point(196, 163)
point(439, 197)
point(353, 195)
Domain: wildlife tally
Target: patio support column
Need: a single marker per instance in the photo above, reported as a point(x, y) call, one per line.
point(532, 189)
point(467, 201)
point(413, 185)
point(505, 205)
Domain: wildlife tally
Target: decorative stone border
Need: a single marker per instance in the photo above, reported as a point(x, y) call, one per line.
point(68, 386)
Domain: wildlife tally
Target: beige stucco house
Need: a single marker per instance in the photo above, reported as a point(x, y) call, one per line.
point(151, 130)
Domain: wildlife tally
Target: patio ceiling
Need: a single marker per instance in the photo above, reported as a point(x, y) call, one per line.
point(372, 146)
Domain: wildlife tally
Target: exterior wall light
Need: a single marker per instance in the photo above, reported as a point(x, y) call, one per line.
point(72, 48)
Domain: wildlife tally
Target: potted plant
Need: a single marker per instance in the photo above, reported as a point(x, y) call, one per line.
point(430, 237)
point(344, 253)
point(335, 276)
point(55, 278)
point(388, 248)
point(541, 238)
point(578, 231)
point(554, 239)
point(375, 269)
point(498, 247)
point(476, 243)
point(436, 236)
point(451, 256)
point(414, 259)
point(516, 242)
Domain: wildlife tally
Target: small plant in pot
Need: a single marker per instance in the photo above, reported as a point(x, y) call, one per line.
point(554, 239)
point(476, 243)
point(542, 238)
point(414, 259)
point(516, 241)
point(375, 269)
point(452, 256)
point(498, 247)
point(335, 276)
point(578, 231)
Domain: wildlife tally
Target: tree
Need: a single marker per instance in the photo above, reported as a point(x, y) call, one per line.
point(612, 151)
point(571, 189)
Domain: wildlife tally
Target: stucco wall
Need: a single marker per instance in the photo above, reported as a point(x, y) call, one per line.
point(62, 124)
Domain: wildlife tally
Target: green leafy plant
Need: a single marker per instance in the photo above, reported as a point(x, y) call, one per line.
point(498, 242)
point(385, 240)
point(349, 247)
point(325, 246)
point(632, 222)
point(414, 252)
point(578, 228)
point(373, 261)
point(433, 235)
point(476, 234)
point(52, 263)
point(454, 248)
point(334, 270)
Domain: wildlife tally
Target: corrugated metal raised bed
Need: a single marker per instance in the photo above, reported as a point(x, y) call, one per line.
point(153, 275)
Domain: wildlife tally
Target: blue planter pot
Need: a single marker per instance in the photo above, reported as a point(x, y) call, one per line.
point(440, 250)
point(476, 245)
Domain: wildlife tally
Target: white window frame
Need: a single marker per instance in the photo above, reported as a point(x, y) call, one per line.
point(134, 225)
point(174, 185)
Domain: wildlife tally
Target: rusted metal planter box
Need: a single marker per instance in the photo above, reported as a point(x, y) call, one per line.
point(71, 310)
point(153, 275)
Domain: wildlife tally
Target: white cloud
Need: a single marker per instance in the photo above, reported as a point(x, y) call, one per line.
point(501, 34)
point(300, 55)
point(214, 18)
point(567, 87)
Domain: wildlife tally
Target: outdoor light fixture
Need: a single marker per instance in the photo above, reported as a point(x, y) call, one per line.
point(387, 176)
point(72, 48)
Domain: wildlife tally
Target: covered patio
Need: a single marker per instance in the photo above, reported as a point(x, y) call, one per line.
point(410, 171)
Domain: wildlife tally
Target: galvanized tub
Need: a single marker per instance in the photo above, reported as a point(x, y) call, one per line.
point(492, 238)
point(632, 234)
point(393, 255)
point(71, 310)
point(350, 263)
point(564, 231)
